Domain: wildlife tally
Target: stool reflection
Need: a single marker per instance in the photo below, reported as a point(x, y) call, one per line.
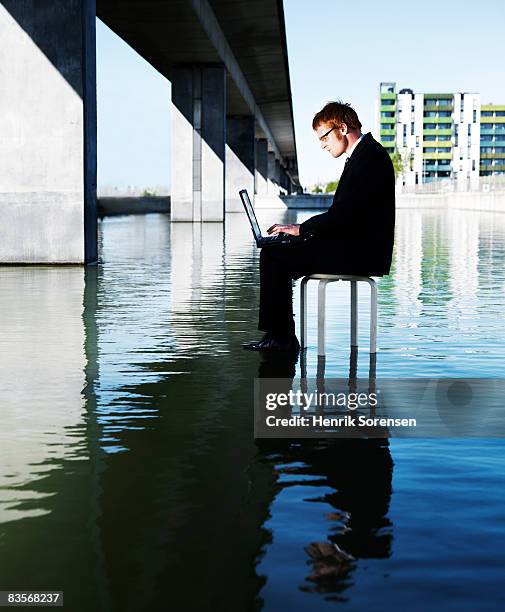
point(357, 471)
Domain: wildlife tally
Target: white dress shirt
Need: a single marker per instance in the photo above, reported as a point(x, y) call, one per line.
point(354, 146)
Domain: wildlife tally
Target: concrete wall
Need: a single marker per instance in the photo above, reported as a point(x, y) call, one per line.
point(48, 131)
point(491, 201)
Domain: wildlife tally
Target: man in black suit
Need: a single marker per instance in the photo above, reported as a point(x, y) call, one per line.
point(355, 236)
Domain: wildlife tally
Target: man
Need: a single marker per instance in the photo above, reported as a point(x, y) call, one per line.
point(355, 236)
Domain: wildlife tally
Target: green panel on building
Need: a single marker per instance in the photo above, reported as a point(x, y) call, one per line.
point(443, 132)
point(438, 96)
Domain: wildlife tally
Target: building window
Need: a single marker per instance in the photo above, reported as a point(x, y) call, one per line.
point(486, 114)
point(412, 129)
point(387, 114)
point(500, 114)
point(475, 116)
point(387, 102)
point(469, 130)
point(444, 113)
point(430, 138)
point(444, 126)
point(427, 126)
point(473, 165)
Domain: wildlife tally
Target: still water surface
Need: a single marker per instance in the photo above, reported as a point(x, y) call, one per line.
point(129, 477)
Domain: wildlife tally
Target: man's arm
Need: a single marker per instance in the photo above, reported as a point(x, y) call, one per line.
point(354, 199)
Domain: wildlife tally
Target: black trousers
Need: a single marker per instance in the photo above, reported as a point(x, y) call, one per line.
point(280, 265)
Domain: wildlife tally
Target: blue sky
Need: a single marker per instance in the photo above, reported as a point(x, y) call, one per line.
point(336, 50)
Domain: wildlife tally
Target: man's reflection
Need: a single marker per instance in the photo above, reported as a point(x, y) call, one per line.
point(359, 473)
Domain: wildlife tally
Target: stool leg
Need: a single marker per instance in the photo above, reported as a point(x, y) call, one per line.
point(373, 317)
point(303, 312)
point(354, 314)
point(321, 317)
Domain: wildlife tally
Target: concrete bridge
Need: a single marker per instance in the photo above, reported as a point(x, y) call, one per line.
point(232, 118)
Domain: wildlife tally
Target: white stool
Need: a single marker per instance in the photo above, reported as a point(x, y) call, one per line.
point(324, 279)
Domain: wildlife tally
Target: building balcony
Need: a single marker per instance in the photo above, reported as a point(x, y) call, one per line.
point(387, 132)
point(438, 120)
point(492, 107)
point(437, 155)
point(493, 143)
point(387, 96)
point(446, 144)
point(492, 155)
point(444, 132)
point(491, 131)
point(436, 168)
point(438, 96)
point(500, 168)
point(436, 107)
point(484, 120)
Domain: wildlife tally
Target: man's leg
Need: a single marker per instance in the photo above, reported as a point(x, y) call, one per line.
point(276, 291)
point(279, 265)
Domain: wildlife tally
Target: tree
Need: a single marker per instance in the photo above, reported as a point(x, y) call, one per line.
point(398, 162)
point(331, 187)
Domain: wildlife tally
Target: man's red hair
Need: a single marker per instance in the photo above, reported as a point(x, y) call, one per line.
point(335, 114)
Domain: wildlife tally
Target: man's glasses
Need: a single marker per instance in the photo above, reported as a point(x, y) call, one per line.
point(324, 137)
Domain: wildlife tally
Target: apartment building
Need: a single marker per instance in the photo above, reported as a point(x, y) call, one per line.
point(436, 135)
point(492, 139)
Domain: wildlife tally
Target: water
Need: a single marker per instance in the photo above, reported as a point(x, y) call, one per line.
point(129, 477)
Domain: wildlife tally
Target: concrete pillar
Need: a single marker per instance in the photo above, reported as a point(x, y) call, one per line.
point(48, 132)
point(261, 167)
point(272, 187)
point(198, 143)
point(283, 179)
point(239, 161)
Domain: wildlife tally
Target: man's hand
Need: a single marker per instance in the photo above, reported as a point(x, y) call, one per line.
point(293, 229)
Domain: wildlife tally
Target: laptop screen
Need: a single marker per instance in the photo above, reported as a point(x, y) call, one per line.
point(250, 213)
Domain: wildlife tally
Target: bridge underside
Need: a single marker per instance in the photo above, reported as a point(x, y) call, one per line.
point(232, 120)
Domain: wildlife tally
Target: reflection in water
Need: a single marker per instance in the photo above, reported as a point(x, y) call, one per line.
point(41, 349)
point(127, 453)
point(348, 480)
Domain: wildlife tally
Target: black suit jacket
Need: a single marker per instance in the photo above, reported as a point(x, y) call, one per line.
point(361, 220)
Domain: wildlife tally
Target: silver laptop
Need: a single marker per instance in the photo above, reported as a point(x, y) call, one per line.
point(262, 241)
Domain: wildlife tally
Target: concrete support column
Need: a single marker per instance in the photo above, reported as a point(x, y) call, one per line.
point(272, 182)
point(283, 179)
point(239, 161)
point(261, 167)
point(198, 143)
point(48, 132)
